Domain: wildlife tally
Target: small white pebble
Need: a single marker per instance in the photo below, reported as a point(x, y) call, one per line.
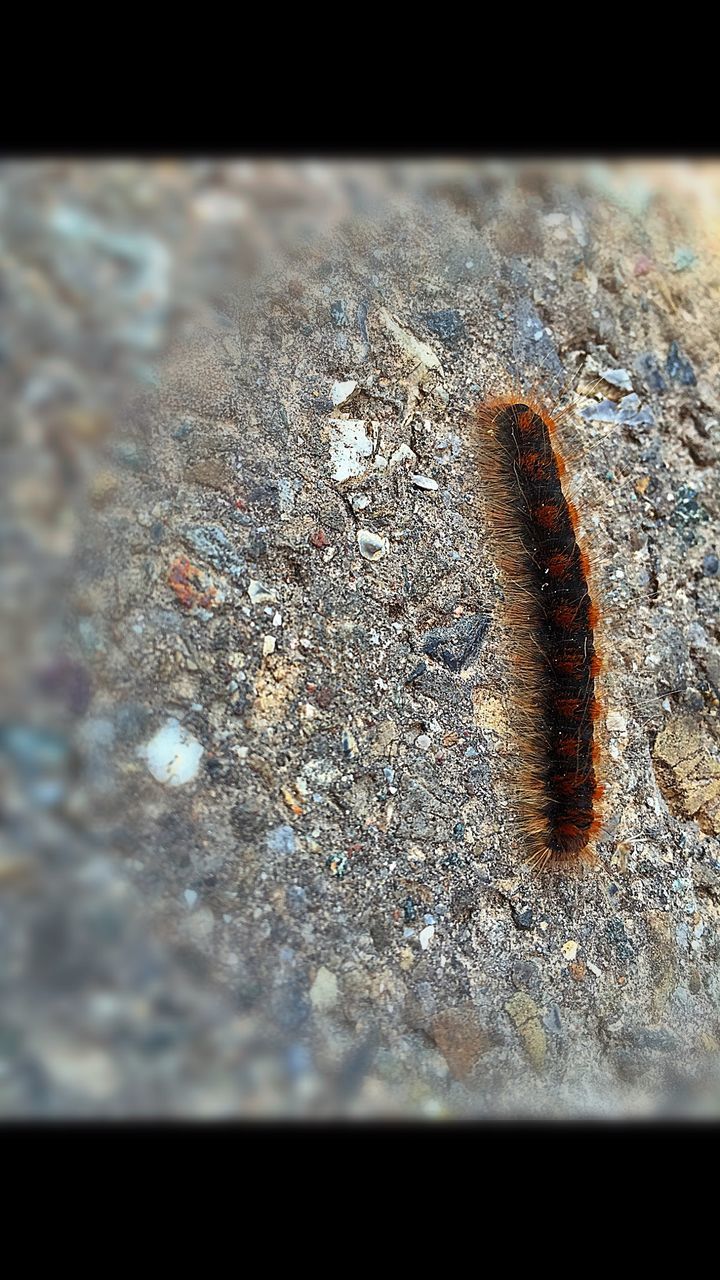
point(372, 546)
point(424, 482)
point(268, 645)
point(423, 742)
point(425, 936)
point(617, 378)
point(594, 969)
point(615, 722)
point(172, 754)
point(342, 391)
point(258, 593)
point(403, 453)
point(190, 897)
point(569, 949)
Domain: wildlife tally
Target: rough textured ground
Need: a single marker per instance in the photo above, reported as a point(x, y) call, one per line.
point(332, 916)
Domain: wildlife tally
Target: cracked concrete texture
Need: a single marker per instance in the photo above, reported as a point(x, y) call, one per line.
point(334, 912)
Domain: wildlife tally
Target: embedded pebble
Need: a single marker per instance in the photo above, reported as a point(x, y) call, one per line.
point(403, 453)
point(268, 647)
point(260, 594)
point(426, 936)
point(81, 1069)
point(423, 742)
point(190, 897)
point(424, 482)
point(342, 391)
point(324, 990)
point(684, 258)
point(523, 916)
point(525, 1014)
point(200, 926)
point(447, 325)
point(281, 839)
point(626, 412)
point(418, 351)
point(211, 541)
point(615, 722)
point(172, 754)
point(617, 378)
point(372, 546)
point(569, 949)
point(678, 367)
point(350, 444)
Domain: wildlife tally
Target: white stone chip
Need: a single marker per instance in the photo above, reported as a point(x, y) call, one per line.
point(617, 378)
point(342, 391)
point(615, 722)
point(324, 990)
point(372, 545)
point(172, 754)
point(260, 594)
point(350, 444)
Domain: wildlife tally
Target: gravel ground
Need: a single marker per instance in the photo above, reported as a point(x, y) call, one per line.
point(259, 854)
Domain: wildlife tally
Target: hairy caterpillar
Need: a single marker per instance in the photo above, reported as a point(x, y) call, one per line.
point(552, 620)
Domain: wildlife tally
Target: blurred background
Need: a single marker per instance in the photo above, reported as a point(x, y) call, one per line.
point(222, 891)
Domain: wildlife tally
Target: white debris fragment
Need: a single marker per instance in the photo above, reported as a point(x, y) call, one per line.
point(615, 722)
point(617, 378)
point(570, 949)
point(190, 897)
point(342, 391)
point(424, 482)
point(349, 445)
point(324, 990)
point(426, 936)
point(372, 545)
point(420, 352)
point(260, 594)
point(172, 754)
point(269, 643)
point(403, 453)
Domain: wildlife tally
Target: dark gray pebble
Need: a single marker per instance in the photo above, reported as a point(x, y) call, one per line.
point(678, 367)
point(446, 325)
point(458, 645)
